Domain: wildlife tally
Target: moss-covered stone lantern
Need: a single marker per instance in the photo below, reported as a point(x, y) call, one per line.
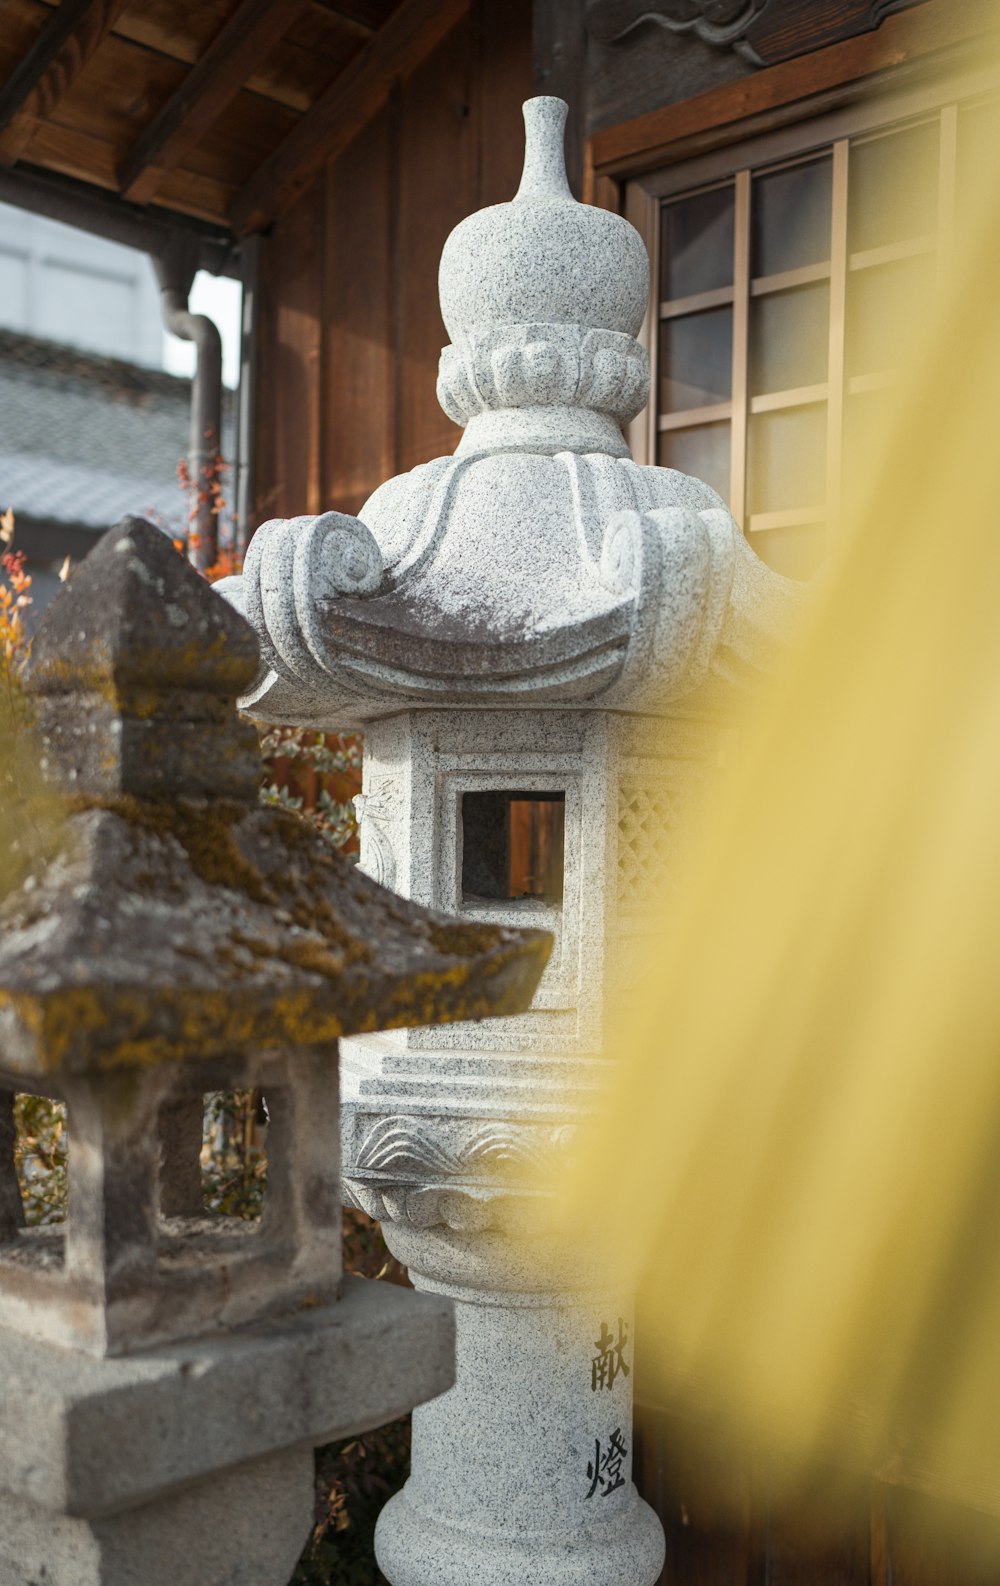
point(186, 939)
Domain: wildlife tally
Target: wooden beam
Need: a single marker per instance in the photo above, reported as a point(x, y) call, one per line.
point(58, 55)
point(907, 39)
point(236, 51)
point(410, 35)
point(368, 15)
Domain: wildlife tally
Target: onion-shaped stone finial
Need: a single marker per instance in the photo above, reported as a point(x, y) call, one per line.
point(544, 257)
point(542, 298)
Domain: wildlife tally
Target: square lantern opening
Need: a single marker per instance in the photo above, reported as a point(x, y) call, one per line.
point(213, 1161)
point(234, 1153)
point(513, 846)
point(33, 1177)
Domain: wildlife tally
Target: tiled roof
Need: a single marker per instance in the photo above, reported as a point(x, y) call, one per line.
point(85, 439)
point(94, 498)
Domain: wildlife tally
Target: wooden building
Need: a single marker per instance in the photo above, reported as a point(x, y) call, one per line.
point(323, 149)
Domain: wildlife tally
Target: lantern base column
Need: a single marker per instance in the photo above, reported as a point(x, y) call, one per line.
point(521, 1473)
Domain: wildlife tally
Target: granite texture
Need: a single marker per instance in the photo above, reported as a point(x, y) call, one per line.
point(102, 1482)
point(540, 564)
point(521, 578)
point(544, 617)
point(545, 1394)
point(543, 256)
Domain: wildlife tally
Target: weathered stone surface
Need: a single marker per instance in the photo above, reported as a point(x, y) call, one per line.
point(131, 668)
point(191, 1465)
point(176, 933)
point(205, 943)
point(178, 942)
point(177, 925)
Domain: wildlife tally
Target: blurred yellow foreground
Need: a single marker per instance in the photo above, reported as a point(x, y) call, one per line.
point(804, 1137)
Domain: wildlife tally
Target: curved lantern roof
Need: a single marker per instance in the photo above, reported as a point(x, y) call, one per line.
point(540, 565)
point(180, 920)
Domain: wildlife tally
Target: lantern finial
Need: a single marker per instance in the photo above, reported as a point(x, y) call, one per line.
point(136, 669)
point(544, 179)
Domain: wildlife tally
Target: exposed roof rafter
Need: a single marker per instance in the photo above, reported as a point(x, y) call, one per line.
point(64, 46)
point(409, 36)
point(235, 53)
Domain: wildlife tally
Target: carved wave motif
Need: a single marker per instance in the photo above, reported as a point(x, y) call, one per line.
point(763, 32)
point(401, 1147)
point(409, 1148)
point(714, 21)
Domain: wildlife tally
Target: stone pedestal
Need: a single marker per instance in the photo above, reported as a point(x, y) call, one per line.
point(192, 1464)
point(522, 1471)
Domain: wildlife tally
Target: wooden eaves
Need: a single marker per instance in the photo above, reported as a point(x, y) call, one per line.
point(221, 113)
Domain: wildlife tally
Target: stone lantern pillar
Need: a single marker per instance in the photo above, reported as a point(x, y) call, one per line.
point(542, 642)
point(167, 1372)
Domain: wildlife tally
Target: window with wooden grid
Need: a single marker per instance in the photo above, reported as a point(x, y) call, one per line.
point(788, 274)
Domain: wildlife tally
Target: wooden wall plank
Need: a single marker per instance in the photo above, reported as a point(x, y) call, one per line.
point(559, 50)
point(504, 79)
point(359, 355)
point(289, 372)
point(936, 1544)
point(822, 1537)
point(702, 1494)
point(449, 141)
point(437, 188)
point(410, 35)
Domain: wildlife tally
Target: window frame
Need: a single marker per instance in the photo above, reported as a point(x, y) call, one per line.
point(820, 104)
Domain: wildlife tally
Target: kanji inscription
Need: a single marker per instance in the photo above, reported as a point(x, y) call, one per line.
point(609, 1362)
point(606, 1469)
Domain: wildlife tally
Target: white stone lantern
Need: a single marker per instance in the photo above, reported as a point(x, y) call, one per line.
point(541, 641)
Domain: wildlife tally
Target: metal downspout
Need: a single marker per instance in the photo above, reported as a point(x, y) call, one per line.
point(247, 398)
point(175, 271)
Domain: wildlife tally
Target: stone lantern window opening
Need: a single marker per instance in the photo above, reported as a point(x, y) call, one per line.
point(135, 1200)
point(12, 1211)
point(513, 846)
point(542, 789)
point(189, 1150)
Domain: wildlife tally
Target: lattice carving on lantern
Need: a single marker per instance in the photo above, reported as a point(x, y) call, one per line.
point(648, 818)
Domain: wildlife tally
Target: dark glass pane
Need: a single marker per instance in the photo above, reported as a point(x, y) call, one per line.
point(978, 143)
point(884, 305)
point(696, 360)
point(789, 339)
point(702, 451)
point(696, 244)
point(893, 187)
point(794, 552)
point(791, 218)
point(512, 846)
point(786, 459)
